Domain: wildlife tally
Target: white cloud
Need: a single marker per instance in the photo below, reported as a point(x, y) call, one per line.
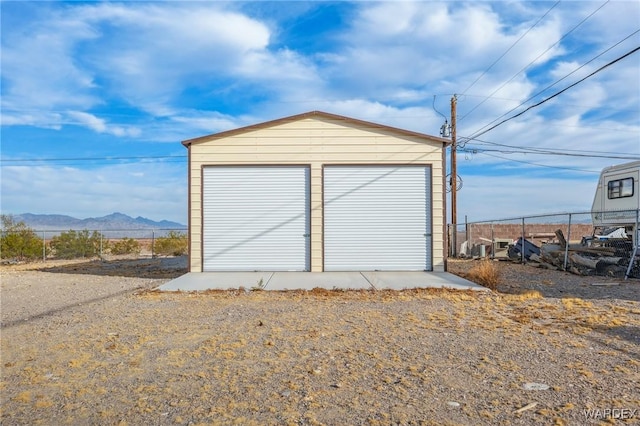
point(418, 119)
point(194, 68)
point(143, 53)
point(205, 123)
point(405, 42)
point(610, 23)
point(153, 190)
point(89, 120)
point(48, 120)
point(193, 26)
point(159, 47)
point(99, 125)
point(38, 69)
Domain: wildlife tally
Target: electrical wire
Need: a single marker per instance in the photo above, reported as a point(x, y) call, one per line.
point(558, 81)
point(565, 154)
point(433, 105)
point(557, 93)
point(542, 165)
point(565, 35)
point(510, 47)
point(32, 161)
point(546, 150)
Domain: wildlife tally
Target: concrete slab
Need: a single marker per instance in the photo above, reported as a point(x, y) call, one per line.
point(311, 280)
point(194, 281)
point(200, 281)
point(406, 280)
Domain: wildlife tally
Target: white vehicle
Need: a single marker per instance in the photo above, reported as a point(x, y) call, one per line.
point(617, 198)
point(616, 206)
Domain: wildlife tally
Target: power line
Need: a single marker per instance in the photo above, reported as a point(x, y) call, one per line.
point(558, 93)
point(604, 154)
point(510, 47)
point(542, 165)
point(580, 105)
point(566, 154)
point(47, 160)
point(545, 150)
point(558, 81)
point(565, 35)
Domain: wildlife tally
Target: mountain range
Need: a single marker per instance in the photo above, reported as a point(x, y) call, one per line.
point(112, 222)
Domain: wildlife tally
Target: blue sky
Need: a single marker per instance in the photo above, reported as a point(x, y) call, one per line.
point(97, 96)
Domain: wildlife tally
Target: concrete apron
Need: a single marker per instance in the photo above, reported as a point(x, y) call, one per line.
point(201, 281)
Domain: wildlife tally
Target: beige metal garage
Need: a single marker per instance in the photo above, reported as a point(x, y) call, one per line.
point(316, 192)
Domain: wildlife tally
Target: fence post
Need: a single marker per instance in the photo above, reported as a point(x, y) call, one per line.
point(566, 248)
point(448, 241)
point(466, 234)
point(522, 258)
point(44, 246)
point(454, 240)
point(153, 241)
point(493, 244)
point(635, 245)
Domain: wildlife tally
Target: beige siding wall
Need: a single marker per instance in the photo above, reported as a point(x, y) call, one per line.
point(317, 143)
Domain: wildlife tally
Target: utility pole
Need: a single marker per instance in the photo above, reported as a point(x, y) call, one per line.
point(454, 179)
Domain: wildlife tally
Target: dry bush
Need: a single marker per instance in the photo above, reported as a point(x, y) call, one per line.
point(485, 273)
point(125, 246)
point(525, 295)
point(174, 244)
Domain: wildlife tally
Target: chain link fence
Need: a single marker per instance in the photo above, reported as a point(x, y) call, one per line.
point(44, 245)
point(583, 243)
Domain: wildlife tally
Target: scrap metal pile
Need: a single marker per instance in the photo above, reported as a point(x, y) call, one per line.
point(605, 255)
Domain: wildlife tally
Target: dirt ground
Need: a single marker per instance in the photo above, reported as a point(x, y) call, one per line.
point(92, 343)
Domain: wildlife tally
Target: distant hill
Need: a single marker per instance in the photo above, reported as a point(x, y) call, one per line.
point(112, 222)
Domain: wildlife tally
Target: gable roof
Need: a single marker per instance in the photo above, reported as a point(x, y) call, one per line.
point(313, 114)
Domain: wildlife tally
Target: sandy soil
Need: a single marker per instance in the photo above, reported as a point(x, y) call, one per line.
point(90, 343)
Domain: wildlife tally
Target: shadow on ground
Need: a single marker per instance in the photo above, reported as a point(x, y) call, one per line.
point(630, 333)
point(517, 278)
point(614, 337)
point(566, 286)
point(165, 267)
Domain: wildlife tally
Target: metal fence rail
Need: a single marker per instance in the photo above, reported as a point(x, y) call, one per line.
point(570, 237)
point(146, 240)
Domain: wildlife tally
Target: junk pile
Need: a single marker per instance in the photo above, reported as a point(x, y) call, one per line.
point(608, 256)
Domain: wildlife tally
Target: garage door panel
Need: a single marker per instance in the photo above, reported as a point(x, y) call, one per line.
point(256, 218)
point(377, 218)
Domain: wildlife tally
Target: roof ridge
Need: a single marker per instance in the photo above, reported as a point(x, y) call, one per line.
point(309, 114)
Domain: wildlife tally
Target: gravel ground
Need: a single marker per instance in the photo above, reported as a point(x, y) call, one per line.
point(90, 343)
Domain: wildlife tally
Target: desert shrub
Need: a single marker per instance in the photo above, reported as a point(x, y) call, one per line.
point(174, 244)
point(125, 246)
point(18, 241)
point(73, 244)
point(485, 273)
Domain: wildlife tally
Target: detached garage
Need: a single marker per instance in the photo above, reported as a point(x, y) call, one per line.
point(316, 192)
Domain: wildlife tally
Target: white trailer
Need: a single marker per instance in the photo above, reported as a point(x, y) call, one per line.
point(617, 198)
point(617, 205)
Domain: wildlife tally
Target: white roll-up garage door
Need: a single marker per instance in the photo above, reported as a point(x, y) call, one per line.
point(377, 218)
point(256, 218)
